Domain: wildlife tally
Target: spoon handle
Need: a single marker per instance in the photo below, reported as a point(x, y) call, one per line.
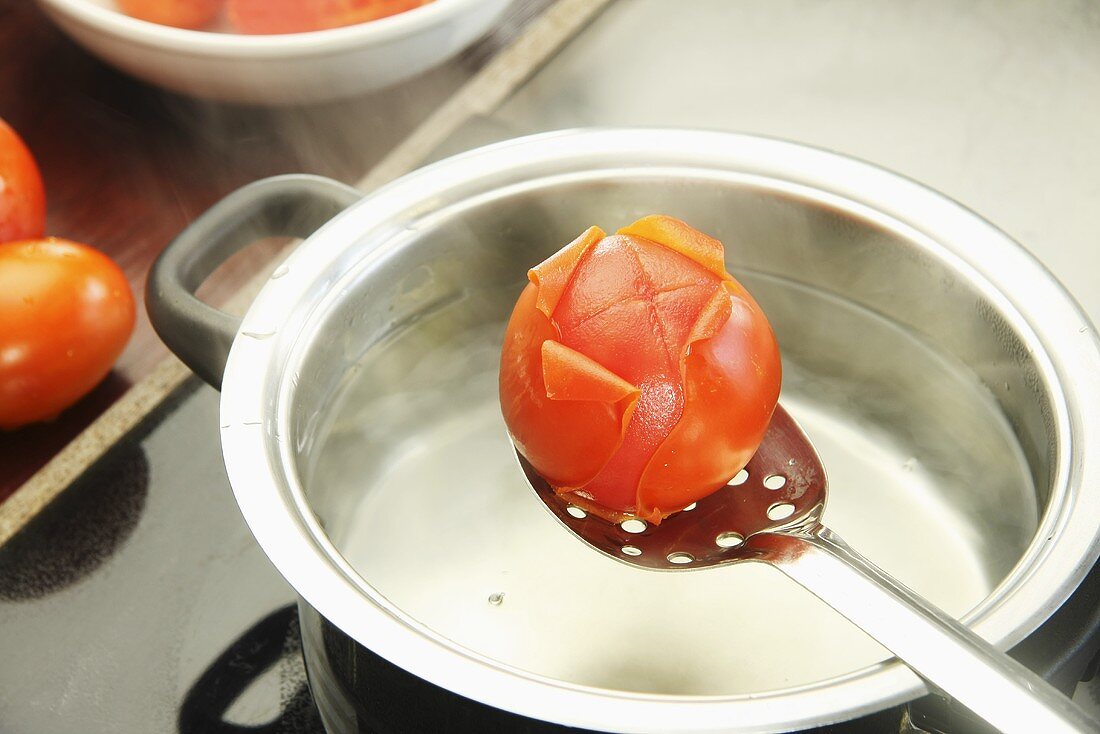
point(947, 655)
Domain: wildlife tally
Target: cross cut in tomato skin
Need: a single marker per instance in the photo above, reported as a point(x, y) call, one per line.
point(679, 365)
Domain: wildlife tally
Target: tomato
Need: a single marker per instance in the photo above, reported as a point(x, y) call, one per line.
point(66, 312)
point(22, 196)
point(192, 14)
point(298, 16)
point(637, 376)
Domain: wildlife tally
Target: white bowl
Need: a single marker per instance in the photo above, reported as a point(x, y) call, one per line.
point(277, 69)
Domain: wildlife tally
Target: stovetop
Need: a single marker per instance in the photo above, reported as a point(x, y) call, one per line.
point(139, 602)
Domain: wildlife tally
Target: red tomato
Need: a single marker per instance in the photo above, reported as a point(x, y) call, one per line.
point(298, 16)
point(22, 197)
point(177, 13)
point(637, 375)
point(66, 312)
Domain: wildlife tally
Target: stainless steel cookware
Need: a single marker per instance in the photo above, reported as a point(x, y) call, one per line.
point(951, 384)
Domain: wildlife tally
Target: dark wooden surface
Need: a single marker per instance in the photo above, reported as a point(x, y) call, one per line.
point(127, 166)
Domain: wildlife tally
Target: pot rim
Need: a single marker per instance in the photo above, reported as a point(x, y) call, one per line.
point(257, 392)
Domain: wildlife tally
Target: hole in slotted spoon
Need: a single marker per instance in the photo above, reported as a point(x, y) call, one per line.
point(780, 511)
point(690, 507)
point(739, 478)
point(631, 550)
point(680, 558)
point(576, 512)
point(775, 481)
point(729, 540)
point(633, 526)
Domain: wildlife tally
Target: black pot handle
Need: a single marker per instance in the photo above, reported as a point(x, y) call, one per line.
point(280, 206)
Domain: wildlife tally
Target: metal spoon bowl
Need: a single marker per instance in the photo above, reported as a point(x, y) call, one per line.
point(771, 513)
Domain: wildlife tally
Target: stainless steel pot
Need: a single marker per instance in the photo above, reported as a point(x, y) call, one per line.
point(950, 383)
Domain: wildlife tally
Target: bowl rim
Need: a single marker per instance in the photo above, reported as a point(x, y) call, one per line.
point(258, 384)
point(115, 23)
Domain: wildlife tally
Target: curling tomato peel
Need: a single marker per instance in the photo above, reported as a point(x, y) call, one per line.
point(543, 428)
point(553, 275)
point(735, 363)
point(569, 375)
point(637, 375)
point(682, 238)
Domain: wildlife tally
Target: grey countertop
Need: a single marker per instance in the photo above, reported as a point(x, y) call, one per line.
point(995, 103)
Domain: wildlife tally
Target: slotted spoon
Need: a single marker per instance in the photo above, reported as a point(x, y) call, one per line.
point(771, 513)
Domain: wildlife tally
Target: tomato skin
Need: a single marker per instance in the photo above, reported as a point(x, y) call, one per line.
point(544, 428)
point(191, 14)
point(300, 16)
point(22, 195)
point(66, 313)
point(669, 376)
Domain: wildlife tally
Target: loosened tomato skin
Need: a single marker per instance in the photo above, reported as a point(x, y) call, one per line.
point(731, 384)
point(679, 367)
point(66, 313)
point(22, 196)
point(566, 413)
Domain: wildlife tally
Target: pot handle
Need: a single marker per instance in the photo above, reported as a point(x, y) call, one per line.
point(281, 206)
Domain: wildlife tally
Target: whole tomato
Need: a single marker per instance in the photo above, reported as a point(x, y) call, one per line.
point(66, 312)
point(22, 196)
point(637, 375)
point(177, 13)
point(298, 16)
